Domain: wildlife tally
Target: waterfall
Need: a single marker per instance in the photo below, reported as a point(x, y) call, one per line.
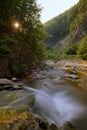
point(57, 108)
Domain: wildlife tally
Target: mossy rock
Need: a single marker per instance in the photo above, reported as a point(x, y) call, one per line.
point(23, 103)
point(7, 97)
point(15, 120)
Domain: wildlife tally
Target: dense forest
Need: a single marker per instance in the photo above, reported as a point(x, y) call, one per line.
point(68, 33)
point(21, 37)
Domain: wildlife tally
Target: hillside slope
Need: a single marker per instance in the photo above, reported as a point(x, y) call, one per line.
point(59, 27)
point(67, 28)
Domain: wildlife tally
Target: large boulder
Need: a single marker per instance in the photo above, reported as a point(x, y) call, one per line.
point(6, 84)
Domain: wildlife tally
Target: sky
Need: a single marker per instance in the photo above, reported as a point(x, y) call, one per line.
point(52, 8)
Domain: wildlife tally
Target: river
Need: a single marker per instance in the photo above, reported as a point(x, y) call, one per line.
point(58, 99)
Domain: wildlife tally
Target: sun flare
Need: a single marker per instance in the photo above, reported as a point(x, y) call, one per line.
point(16, 25)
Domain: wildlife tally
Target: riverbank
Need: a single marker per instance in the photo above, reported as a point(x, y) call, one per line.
point(62, 77)
point(72, 63)
point(76, 71)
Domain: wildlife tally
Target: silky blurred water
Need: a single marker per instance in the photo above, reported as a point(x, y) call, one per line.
point(60, 106)
point(60, 100)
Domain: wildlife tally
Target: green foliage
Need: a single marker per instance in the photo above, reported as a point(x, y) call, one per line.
point(74, 27)
point(24, 44)
point(75, 24)
point(71, 50)
point(82, 5)
point(54, 53)
point(7, 39)
point(22, 67)
point(4, 50)
point(51, 55)
point(68, 24)
point(82, 49)
point(71, 26)
point(59, 27)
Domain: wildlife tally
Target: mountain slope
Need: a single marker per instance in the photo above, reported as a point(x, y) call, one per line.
point(68, 29)
point(59, 27)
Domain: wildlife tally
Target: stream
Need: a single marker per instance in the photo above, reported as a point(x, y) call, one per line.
point(58, 99)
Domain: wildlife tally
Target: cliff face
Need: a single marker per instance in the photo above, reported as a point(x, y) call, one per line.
point(78, 27)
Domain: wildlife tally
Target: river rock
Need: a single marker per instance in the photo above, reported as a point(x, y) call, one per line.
point(16, 87)
point(14, 79)
point(5, 84)
point(73, 71)
point(71, 76)
point(68, 126)
point(25, 102)
point(42, 123)
point(42, 75)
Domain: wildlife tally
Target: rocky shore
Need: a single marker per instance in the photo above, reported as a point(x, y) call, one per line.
point(16, 103)
point(15, 110)
point(23, 120)
point(75, 71)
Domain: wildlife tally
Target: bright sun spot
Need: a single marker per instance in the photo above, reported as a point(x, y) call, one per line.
point(16, 25)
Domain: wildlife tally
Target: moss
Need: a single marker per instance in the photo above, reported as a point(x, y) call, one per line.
point(32, 100)
point(4, 113)
point(7, 97)
point(22, 108)
point(5, 127)
point(15, 120)
point(26, 115)
point(9, 116)
point(23, 125)
point(11, 97)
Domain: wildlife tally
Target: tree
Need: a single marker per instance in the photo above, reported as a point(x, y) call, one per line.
point(71, 50)
point(82, 49)
point(25, 42)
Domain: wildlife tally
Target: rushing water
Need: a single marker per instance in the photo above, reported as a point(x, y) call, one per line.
point(59, 107)
point(60, 101)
